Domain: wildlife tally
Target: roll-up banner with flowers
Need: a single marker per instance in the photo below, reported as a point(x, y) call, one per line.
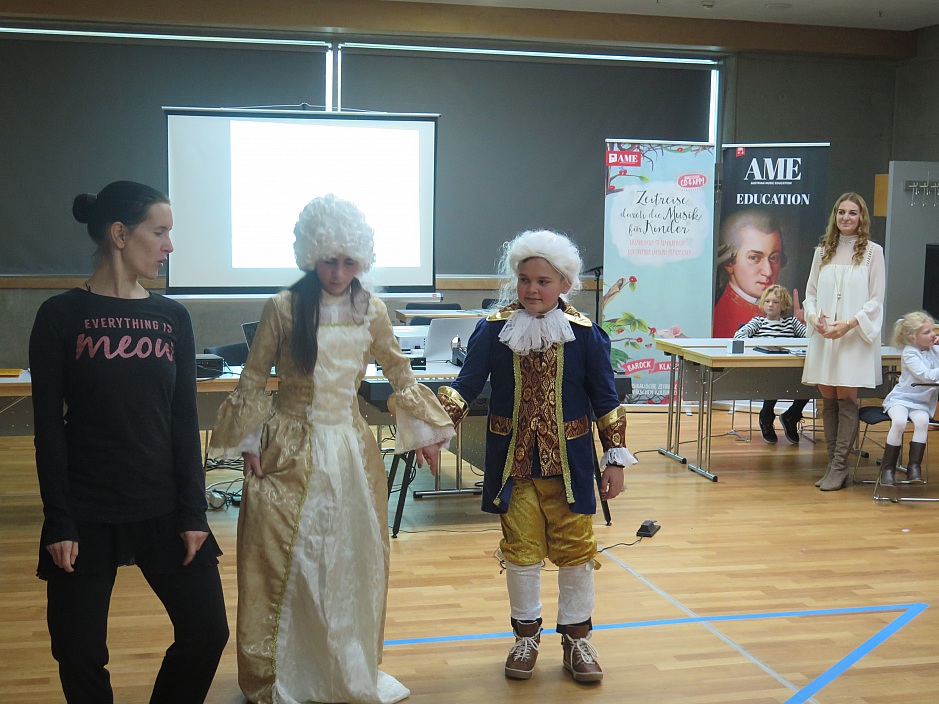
point(658, 255)
point(773, 212)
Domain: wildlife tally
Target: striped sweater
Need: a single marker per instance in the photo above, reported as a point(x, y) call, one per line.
point(761, 327)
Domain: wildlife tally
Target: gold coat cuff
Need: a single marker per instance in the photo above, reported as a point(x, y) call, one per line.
point(454, 404)
point(612, 428)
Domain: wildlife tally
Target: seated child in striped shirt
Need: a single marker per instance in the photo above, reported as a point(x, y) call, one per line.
point(774, 302)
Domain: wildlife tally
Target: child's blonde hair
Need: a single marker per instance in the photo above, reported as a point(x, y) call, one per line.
point(907, 326)
point(785, 300)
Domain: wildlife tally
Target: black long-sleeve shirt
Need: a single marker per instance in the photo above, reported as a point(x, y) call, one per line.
point(125, 445)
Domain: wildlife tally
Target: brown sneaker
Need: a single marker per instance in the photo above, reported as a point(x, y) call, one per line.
point(521, 661)
point(580, 658)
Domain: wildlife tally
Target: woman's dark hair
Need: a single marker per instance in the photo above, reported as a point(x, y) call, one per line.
point(305, 302)
point(127, 202)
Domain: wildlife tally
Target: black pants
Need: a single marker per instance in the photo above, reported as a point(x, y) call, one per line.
point(78, 624)
point(768, 412)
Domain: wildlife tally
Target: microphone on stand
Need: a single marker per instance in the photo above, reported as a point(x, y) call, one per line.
point(596, 271)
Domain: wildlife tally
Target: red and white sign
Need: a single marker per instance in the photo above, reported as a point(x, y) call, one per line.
point(617, 158)
point(692, 181)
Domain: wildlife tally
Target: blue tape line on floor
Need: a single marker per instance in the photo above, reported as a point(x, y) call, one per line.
point(909, 612)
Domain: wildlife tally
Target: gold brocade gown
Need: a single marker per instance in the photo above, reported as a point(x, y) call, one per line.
point(313, 533)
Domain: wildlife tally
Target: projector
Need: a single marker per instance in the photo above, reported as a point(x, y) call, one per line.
point(417, 359)
point(412, 340)
point(209, 366)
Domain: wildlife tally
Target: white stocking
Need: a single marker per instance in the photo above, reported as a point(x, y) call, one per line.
point(575, 598)
point(920, 425)
point(524, 584)
point(898, 417)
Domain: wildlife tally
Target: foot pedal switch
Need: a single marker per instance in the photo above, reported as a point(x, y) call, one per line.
point(648, 529)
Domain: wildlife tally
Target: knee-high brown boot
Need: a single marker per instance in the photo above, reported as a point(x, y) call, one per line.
point(847, 430)
point(830, 426)
point(888, 466)
point(914, 468)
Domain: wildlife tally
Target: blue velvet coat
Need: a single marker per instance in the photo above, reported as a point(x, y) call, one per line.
point(585, 382)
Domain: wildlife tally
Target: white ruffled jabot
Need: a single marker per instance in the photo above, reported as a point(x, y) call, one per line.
point(524, 332)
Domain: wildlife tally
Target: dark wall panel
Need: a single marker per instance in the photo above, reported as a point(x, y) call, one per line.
point(77, 115)
point(521, 143)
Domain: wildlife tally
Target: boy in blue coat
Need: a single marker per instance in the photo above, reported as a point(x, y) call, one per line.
point(548, 367)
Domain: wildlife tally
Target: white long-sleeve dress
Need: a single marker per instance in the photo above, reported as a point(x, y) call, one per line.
point(842, 290)
point(313, 532)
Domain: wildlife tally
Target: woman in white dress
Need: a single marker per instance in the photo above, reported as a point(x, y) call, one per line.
point(313, 524)
point(844, 301)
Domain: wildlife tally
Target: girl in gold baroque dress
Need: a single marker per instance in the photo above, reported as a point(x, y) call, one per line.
point(313, 546)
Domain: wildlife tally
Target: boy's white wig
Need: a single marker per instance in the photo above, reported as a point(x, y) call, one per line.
point(555, 248)
point(329, 226)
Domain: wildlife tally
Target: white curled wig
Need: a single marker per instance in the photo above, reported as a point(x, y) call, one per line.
point(553, 247)
point(329, 226)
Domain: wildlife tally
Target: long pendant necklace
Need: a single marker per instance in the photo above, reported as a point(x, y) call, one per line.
point(839, 281)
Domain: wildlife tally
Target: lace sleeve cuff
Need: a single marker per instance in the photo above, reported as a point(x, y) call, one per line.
point(420, 419)
point(239, 422)
point(618, 455)
point(252, 443)
point(413, 433)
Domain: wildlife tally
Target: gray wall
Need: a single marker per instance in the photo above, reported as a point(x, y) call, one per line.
point(76, 115)
point(911, 225)
point(916, 107)
point(870, 111)
point(847, 103)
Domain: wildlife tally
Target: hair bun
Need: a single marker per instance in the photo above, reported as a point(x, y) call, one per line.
point(82, 207)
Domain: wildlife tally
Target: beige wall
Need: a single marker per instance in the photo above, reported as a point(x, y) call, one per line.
point(341, 18)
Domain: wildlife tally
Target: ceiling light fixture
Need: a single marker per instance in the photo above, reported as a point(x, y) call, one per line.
point(778, 5)
point(708, 4)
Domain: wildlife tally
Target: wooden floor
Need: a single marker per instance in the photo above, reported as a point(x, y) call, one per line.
point(758, 588)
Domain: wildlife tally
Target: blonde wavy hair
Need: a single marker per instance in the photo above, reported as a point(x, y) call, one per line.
point(829, 241)
point(785, 300)
point(906, 327)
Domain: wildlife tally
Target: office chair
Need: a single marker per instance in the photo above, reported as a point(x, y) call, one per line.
point(489, 302)
point(420, 320)
point(235, 355)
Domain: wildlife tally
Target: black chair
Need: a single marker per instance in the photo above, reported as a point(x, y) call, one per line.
point(420, 320)
point(870, 416)
point(235, 355)
point(433, 306)
point(489, 302)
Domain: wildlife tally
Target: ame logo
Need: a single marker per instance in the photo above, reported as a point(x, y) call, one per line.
point(785, 169)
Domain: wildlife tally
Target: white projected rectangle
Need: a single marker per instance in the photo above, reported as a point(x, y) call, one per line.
point(239, 179)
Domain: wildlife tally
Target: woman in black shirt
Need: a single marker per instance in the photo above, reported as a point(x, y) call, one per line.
point(118, 455)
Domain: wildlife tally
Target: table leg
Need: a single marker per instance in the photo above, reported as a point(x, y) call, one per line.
point(705, 393)
point(675, 380)
point(459, 489)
